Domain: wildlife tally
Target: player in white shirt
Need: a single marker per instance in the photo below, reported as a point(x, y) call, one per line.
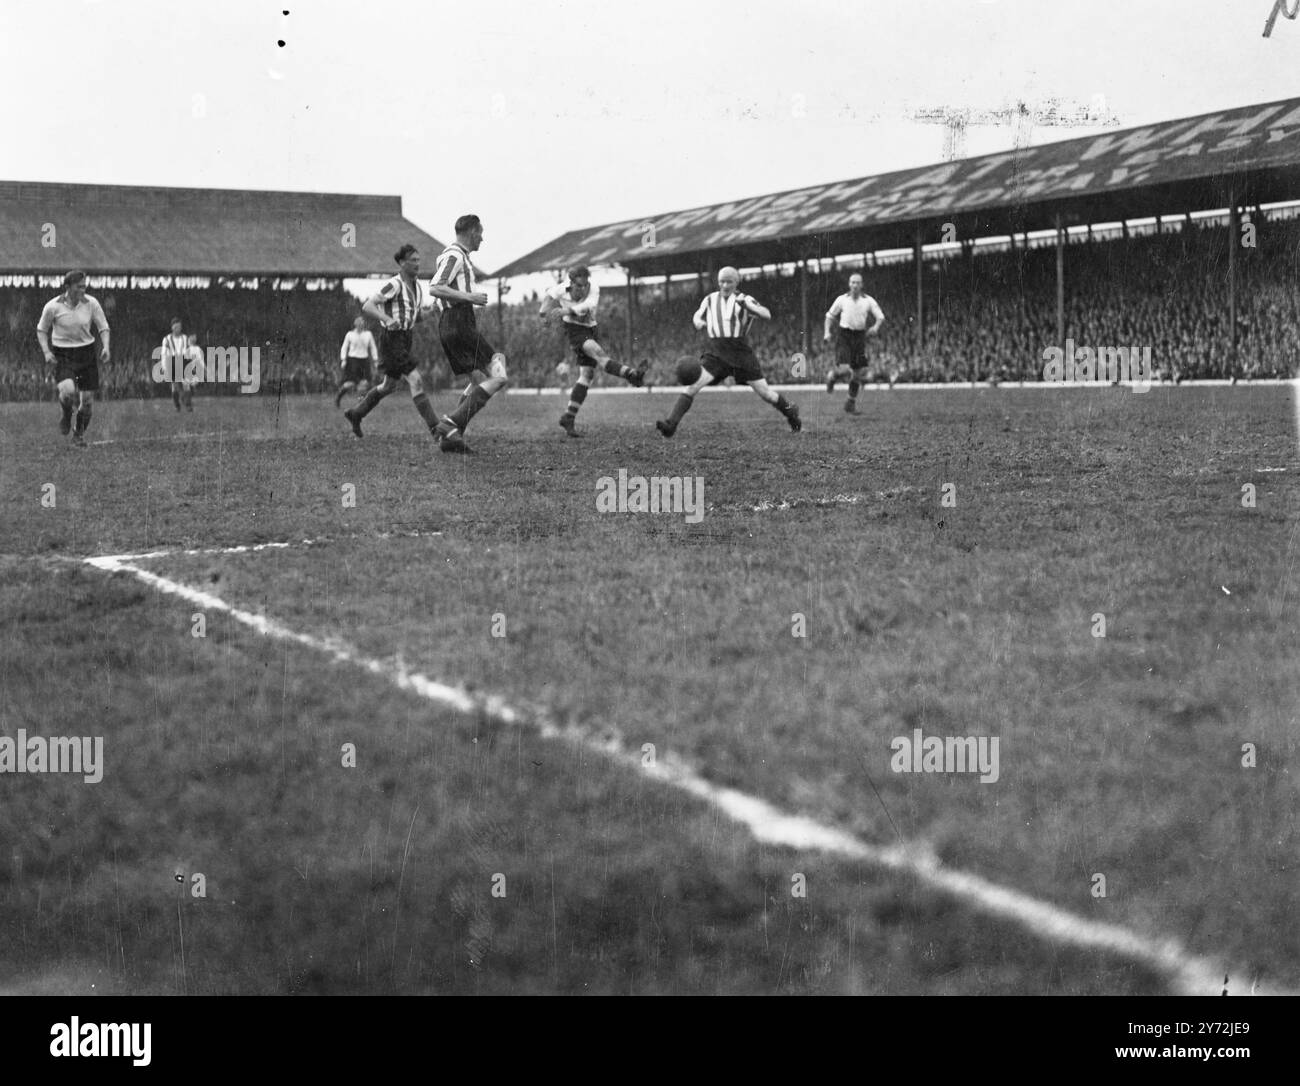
point(575, 303)
point(175, 349)
point(851, 312)
point(356, 356)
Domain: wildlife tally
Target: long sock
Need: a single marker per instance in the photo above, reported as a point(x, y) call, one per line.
point(188, 397)
point(368, 404)
point(576, 398)
point(783, 405)
point(854, 385)
point(680, 408)
point(426, 410)
point(464, 396)
point(470, 406)
point(617, 369)
point(83, 417)
point(67, 406)
point(176, 398)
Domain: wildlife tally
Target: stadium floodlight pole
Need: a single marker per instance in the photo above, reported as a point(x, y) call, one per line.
point(920, 299)
point(1060, 282)
point(629, 316)
point(1234, 235)
point(803, 304)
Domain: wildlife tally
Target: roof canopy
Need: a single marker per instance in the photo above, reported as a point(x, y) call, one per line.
point(104, 229)
point(1252, 152)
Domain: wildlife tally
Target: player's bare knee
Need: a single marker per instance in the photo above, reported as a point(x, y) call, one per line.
point(67, 389)
point(415, 382)
point(586, 374)
point(764, 390)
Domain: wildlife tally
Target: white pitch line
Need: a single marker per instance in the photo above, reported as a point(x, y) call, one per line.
point(1187, 974)
point(249, 548)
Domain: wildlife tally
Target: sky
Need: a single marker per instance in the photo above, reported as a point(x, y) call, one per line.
point(551, 115)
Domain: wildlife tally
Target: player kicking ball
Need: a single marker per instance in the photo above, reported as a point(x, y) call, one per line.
point(575, 303)
point(726, 315)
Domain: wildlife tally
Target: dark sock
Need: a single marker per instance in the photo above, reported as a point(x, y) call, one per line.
point(616, 369)
point(854, 385)
point(680, 408)
point(576, 397)
point(783, 405)
point(426, 410)
point(464, 396)
point(176, 398)
point(367, 405)
point(470, 406)
point(67, 406)
point(83, 417)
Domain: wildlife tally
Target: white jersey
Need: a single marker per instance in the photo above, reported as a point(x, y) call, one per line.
point(582, 313)
point(853, 313)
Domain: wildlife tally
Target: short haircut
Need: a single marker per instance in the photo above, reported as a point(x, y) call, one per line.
point(73, 278)
point(580, 272)
point(467, 223)
point(177, 320)
point(405, 251)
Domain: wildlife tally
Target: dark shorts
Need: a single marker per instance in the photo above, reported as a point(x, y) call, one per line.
point(356, 370)
point(465, 348)
point(79, 364)
point(578, 334)
point(851, 348)
point(731, 358)
point(396, 359)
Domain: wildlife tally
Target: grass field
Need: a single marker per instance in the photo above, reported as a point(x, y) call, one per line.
point(461, 854)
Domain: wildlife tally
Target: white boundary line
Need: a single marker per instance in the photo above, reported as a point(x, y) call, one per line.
point(1186, 974)
point(935, 386)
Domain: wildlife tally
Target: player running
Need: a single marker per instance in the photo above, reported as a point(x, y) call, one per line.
point(576, 305)
point(852, 310)
point(175, 352)
point(397, 308)
point(356, 356)
point(726, 315)
point(66, 332)
point(468, 353)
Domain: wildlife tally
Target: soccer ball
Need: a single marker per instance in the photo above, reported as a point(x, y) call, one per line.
point(688, 371)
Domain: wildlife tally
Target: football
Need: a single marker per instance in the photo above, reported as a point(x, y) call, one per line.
point(688, 370)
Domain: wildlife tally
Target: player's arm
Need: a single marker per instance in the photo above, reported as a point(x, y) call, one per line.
point(550, 305)
point(99, 326)
point(441, 286)
point(698, 320)
point(753, 307)
point(832, 315)
point(43, 338)
point(343, 351)
point(372, 308)
point(878, 315)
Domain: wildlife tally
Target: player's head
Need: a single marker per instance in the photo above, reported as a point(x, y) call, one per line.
point(176, 326)
point(469, 232)
point(855, 284)
point(579, 281)
point(359, 324)
point(193, 340)
point(728, 279)
point(74, 285)
point(408, 258)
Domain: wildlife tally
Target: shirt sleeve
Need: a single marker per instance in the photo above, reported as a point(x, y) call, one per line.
point(448, 268)
point(387, 291)
point(47, 318)
point(704, 308)
point(343, 351)
point(98, 322)
point(837, 307)
point(876, 311)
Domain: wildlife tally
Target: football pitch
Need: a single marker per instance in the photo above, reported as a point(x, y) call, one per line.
point(465, 728)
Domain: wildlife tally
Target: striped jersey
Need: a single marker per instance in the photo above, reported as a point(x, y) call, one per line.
point(454, 270)
point(401, 302)
point(853, 313)
point(725, 317)
point(582, 313)
point(174, 347)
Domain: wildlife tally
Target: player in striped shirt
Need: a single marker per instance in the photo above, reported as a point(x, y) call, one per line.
point(397, 308)
point(575, 303)
point(469, 354)
point(726, 315)
point(66, 332)
point(852, 311)
point(175, 353)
